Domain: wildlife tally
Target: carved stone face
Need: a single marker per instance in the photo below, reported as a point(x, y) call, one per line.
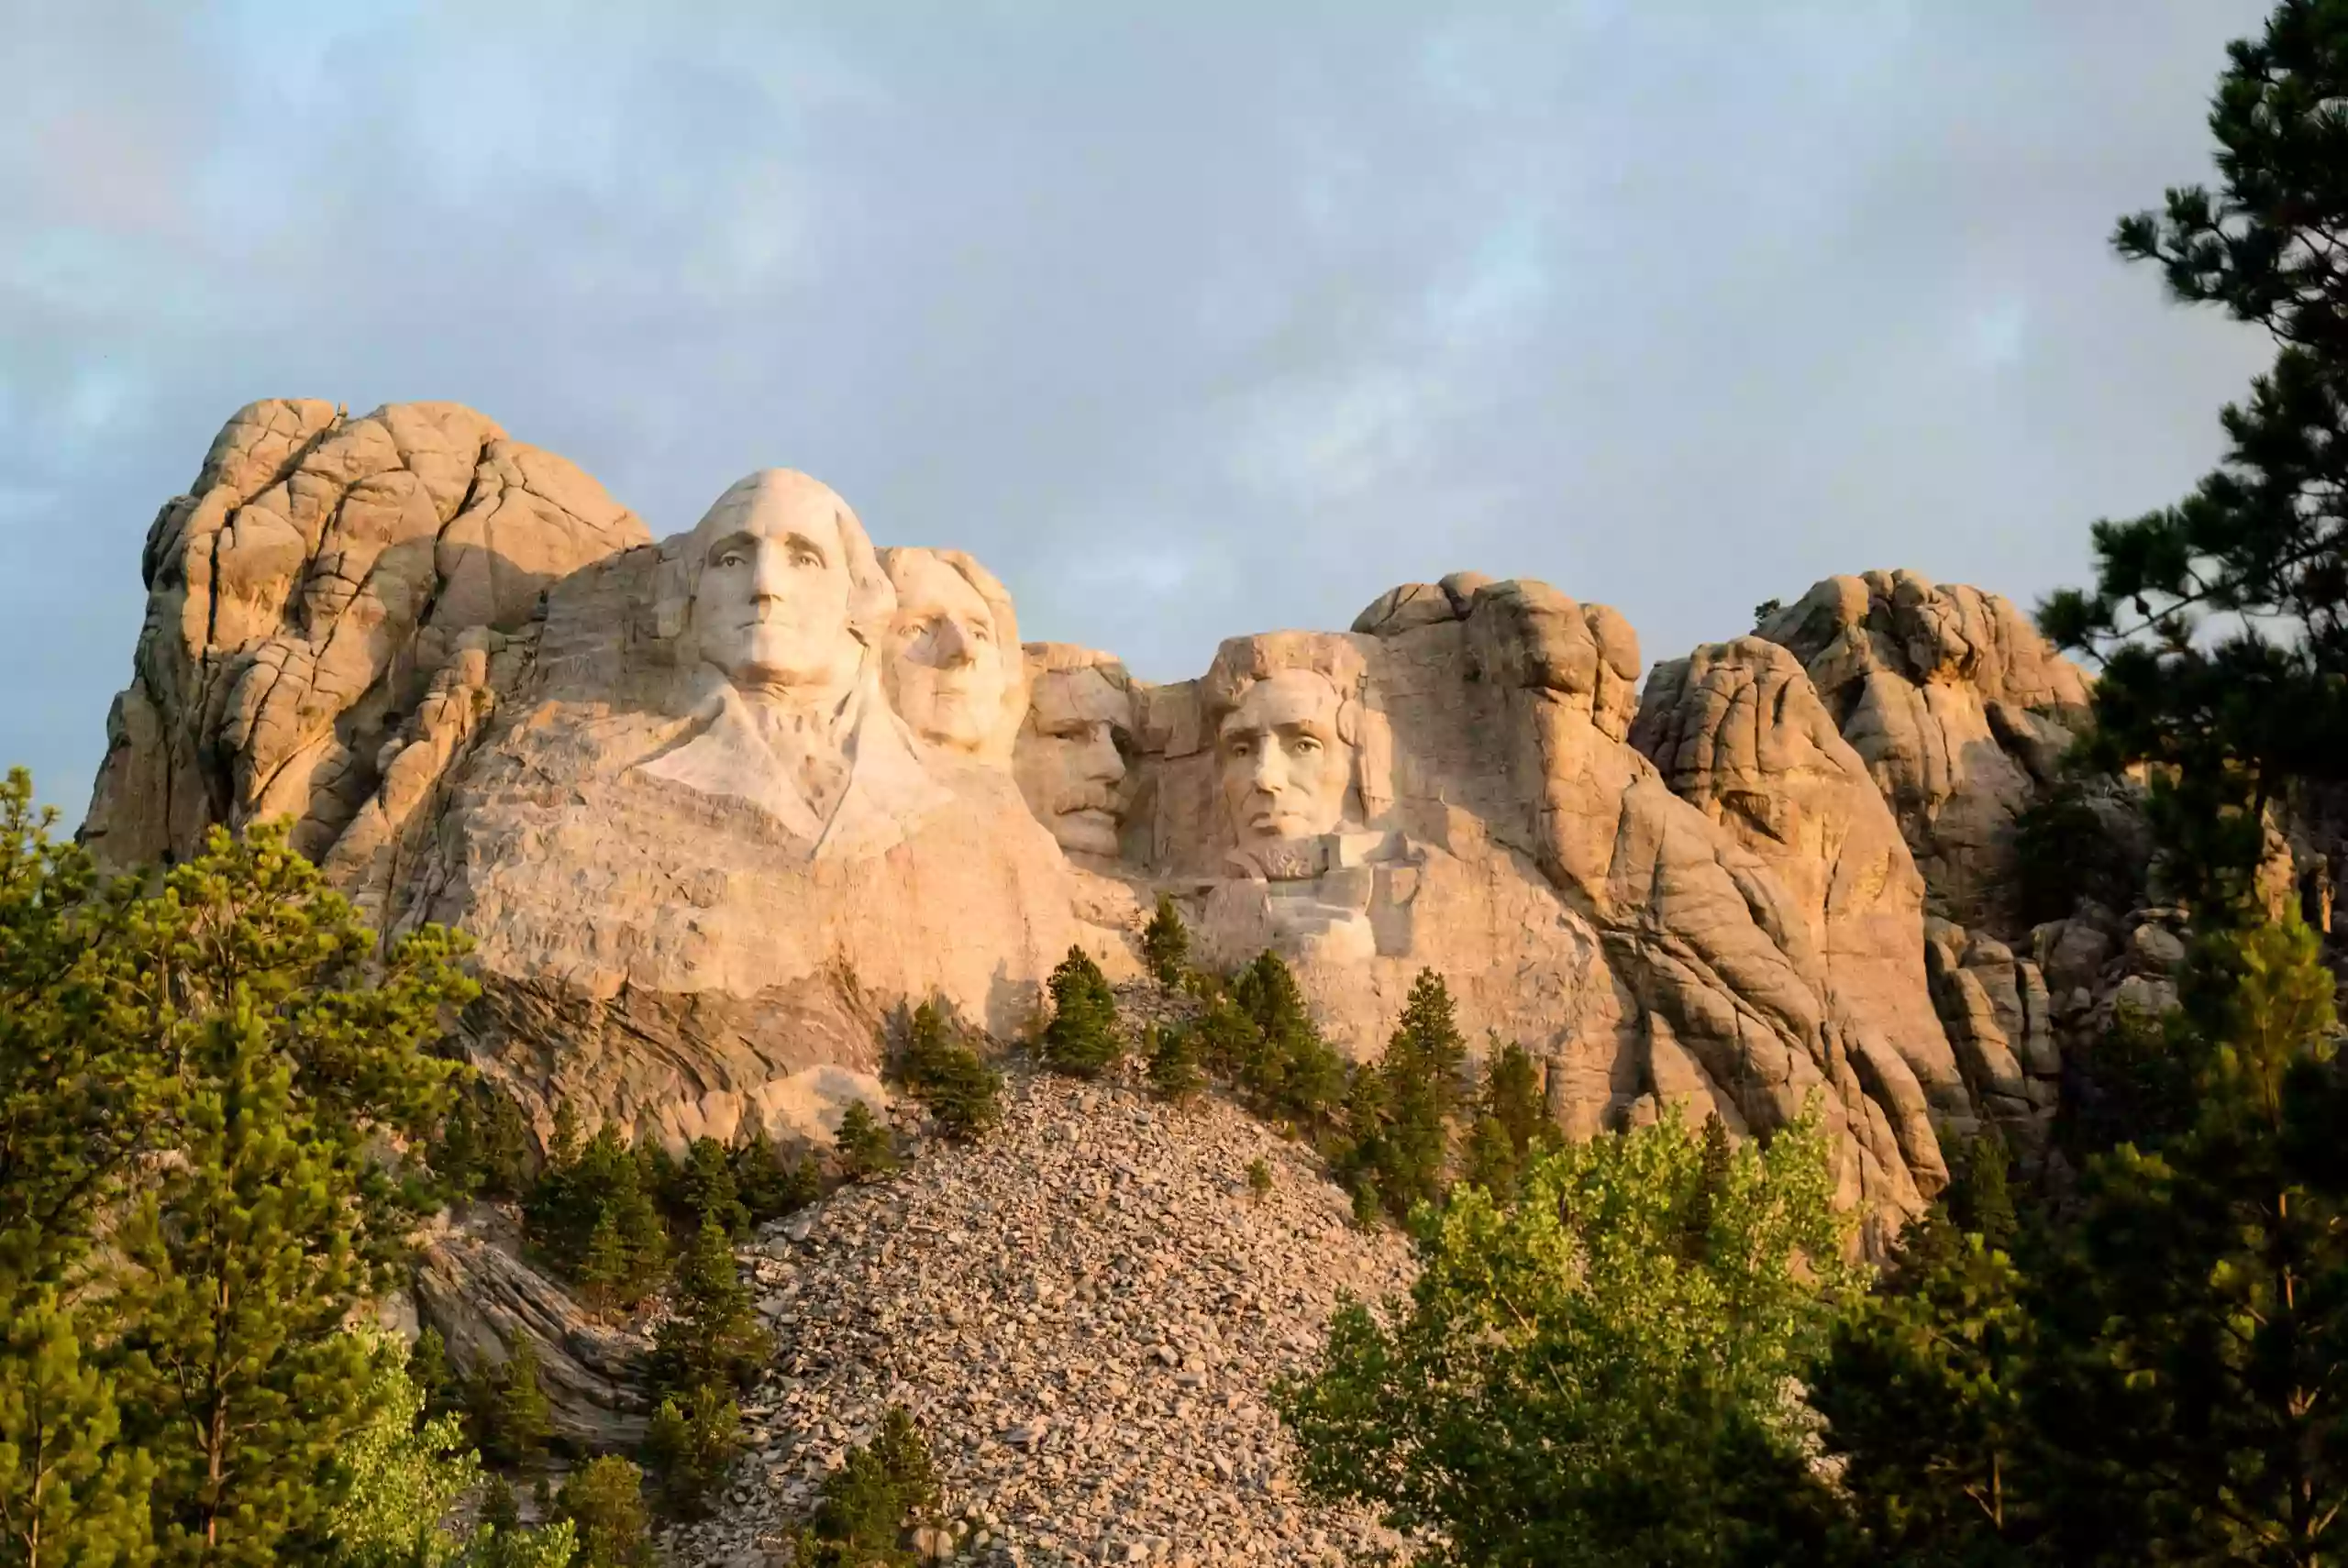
point(1070, 761)
point(945, 671)
point(771, 598)
point(1284, 769)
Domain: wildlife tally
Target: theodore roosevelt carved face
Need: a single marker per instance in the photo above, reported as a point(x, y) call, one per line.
point(1285, 763)
point(1070, 761)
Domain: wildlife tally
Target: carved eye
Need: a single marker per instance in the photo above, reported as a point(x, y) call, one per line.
point(804, 555)
point(1304, 745)
point(731, 558)
point(1239, 747)
point(979, 633)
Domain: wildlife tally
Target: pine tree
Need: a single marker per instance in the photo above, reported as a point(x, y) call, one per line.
point(1699, 1216)
point(770, 1188)
point(1492, 1159)
point(1422, 1069)
point(1082, 1037)
point(860, 1516)
point(1921, 1390)
point(1284, 1067)
point(703, 1187)
point(603, 1501)
point(2230, 723)
point(2186, 1325)
point(960, 1090)
point(1513, 1094)
point(428, 1371)
point(1174, 1072)
point(70, 1492)
point(864, 1146)
point(603, 1273)
point(688, 1449)
point(1166, 944)
point(1981, 1200)
point(587, 1190)
point(1227, 1038)
point(712, 1337)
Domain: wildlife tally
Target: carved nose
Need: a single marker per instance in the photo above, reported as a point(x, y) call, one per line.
point(1271, 772)
point(1103, 763)
point(951, 642)
point(766, 574)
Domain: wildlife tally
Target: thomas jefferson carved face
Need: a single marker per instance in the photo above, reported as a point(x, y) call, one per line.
point(772, 596)
point(1284, 766)
point(1070, 762)
point(946, 662)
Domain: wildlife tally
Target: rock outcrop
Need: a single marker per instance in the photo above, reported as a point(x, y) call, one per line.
point(1959, 708)
point(304, 595)
point(712, 807)
point(1738, 731)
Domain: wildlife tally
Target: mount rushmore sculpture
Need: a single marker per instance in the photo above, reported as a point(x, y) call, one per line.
point(712, 807)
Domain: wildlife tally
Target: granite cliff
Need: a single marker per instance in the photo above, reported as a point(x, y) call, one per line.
point(712, 805)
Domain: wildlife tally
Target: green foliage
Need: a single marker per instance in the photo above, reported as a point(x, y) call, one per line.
point(2200, 1303)
point(212, 1074)
point(1082, 1037)
point(507, 1414)
point(1397, 1114)
point(1260, 1179)
point(769, 1187)
point(866, 1149)
point(1567, 1385)
point(291, 1045)
point(1166, 944)
point(2133, 1085)
point(2233, 720)
point(951, 1079)
point(1282, 1066)
point(1225, 1038)
point(1766, 608)
point(484, 1146)
point(602, 1501)
point(1981, 1198)
point(703, 1187)
point(429, 1373)
point(1174, 1071)
point(860, 1515)
point(404, 1473)
point(70, 1493)
point(2065, 853)
point(594, 1214)
point(712, 1337)
point(1921, 1390)
point(688, 1449)
point(2145, 1380)
point(1511, 1125)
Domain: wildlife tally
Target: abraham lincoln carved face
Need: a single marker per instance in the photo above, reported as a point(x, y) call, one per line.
point(1285, 764)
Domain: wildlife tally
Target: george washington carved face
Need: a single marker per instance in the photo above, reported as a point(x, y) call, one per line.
point(783, 584)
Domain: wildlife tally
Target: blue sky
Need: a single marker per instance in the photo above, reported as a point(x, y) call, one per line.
point(1188, 320)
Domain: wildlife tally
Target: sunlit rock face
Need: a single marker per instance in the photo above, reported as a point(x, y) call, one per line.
point(712, 807)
